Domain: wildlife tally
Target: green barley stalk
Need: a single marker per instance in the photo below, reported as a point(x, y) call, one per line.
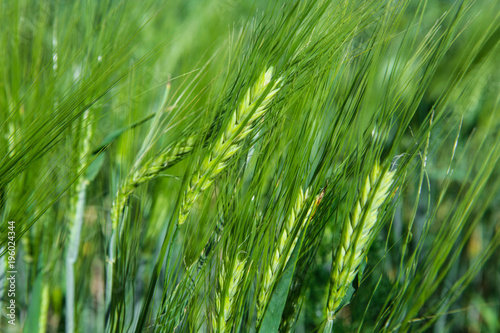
point(78, 207)
point(226, 296)
point(357, 234)
point(252, 108)
point(281, 253)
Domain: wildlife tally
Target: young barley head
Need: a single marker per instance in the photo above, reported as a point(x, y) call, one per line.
point(271, 272)
point(282, 253)
point(163, 160)
point(253, 106)
point(357, 233)
point(226, 296)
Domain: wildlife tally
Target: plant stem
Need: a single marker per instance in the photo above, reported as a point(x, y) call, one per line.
point(77, 222)
point(44, 308)
point(72, 256)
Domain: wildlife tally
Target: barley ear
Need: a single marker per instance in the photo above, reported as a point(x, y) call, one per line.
point(226, 296)
point(152, 168)
point(249, 111)
point(357, 234)
point(280, 254)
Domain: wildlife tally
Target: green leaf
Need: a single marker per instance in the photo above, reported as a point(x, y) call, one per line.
point(94, 167)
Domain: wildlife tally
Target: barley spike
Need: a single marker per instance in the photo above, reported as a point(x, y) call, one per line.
point(272, 271)
point(226, 296)
point(252, 108)
point(357, 233)
point(163, 160)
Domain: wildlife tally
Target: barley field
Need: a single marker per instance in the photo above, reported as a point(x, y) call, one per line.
point(250, 166)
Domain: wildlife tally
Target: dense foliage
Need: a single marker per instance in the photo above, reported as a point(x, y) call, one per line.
point(250, 166)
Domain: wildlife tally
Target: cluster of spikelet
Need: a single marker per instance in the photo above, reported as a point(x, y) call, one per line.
point(252, 108)
point(280, 253)
point(226, 296)
point(152, 168)
point(357, 234)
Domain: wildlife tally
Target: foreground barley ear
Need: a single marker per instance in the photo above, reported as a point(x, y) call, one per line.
point(252, 108)
point(295, 298)
point(281, 255)
point(152, 168)
point(357, 234)
point(226, 295)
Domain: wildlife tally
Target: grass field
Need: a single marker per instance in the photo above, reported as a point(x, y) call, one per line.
point(250, 166)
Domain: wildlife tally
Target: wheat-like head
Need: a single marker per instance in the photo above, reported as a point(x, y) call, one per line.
point(250, 110)
point(149, 170)
point(226, 296)
point(280, 255)
point(86, 132)
point(357, 233)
